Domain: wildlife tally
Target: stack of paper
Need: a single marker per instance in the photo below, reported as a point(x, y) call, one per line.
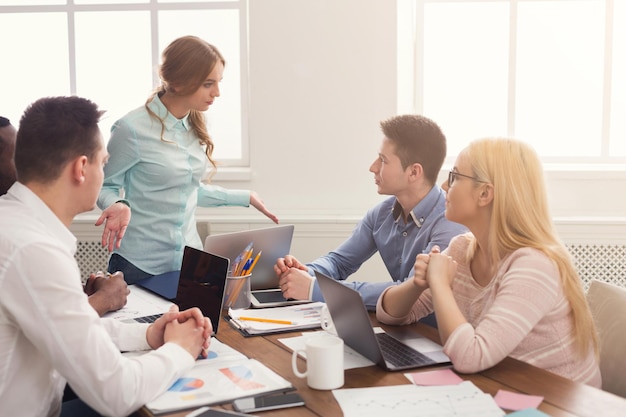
point(259, 321)
point(225, 375)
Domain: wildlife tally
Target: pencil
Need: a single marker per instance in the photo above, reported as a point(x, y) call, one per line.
point(244, 260)
point(246, 267)
point(239, 260)
point(264, 320)
point(256, 259)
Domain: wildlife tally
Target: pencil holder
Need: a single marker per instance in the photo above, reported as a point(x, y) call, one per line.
point(237, 292)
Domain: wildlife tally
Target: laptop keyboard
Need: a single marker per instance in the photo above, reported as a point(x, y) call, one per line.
point(399, 354)
point(148, 319)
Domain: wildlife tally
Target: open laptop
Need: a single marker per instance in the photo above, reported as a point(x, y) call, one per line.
point(404, 350)
point(200, 283)
point(273, 243)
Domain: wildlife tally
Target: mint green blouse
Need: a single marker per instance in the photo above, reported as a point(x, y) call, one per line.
point(161, 180)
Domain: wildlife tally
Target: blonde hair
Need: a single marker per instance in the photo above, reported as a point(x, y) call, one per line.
point(185, 65)
point(521, 218)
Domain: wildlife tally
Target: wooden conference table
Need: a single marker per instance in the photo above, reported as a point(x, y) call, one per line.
point(562, 397)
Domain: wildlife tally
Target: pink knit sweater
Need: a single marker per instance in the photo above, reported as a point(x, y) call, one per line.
point(521, 313)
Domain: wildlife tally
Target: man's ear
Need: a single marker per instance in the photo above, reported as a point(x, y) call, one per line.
point(415, 170)
point(486, 194)
point(79, 169)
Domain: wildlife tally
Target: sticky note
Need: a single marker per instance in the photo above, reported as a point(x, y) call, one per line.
point(436, 377)
point(515, 401)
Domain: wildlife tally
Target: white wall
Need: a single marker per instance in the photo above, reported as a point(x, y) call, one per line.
point(322, 77)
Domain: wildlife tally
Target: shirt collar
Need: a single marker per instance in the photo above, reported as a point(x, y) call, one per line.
point(42, 212)
point(423, 209)
point(171, 122)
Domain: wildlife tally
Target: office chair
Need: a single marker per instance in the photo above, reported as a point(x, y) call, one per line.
point(608, 307)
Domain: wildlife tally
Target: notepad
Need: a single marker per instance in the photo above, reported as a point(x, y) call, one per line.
point(260, 321)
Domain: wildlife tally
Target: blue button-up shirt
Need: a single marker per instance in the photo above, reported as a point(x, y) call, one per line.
point(384, 230)
point(161, 179)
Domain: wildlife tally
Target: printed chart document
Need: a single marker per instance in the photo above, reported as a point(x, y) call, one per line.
point(260, 321)
point(464, 399)
point(225, 375)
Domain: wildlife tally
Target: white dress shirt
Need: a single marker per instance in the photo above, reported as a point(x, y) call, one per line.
point(50, 334)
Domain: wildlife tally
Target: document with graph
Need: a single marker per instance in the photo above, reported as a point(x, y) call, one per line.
point(464, 399)
point(225, 375)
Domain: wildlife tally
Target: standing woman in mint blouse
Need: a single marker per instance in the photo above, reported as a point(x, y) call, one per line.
point(159, 154)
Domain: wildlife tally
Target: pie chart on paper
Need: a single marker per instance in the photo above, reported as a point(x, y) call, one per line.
point(186, 384)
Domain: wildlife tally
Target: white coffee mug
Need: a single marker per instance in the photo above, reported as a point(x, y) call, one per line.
point(324, 362)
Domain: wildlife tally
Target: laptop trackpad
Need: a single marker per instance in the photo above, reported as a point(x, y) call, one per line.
point(421, 344)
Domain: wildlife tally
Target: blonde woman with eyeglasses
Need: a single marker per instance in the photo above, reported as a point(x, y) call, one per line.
point(508, 287)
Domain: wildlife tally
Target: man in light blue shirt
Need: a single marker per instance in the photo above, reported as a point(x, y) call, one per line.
point(410, 222)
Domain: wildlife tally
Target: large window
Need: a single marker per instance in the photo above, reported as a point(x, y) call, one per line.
point(109, 50)
point(550, 72)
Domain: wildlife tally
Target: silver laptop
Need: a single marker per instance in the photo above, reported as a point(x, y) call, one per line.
point(273, 243)
point(394, 351)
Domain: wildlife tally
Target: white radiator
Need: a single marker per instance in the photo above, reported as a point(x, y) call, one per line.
point(601, 262)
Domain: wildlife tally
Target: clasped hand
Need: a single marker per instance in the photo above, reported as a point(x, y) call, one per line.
point(189, 329)
point(433, 269)
point(294, 279)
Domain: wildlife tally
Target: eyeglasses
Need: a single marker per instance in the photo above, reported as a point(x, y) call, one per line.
point(453, 174)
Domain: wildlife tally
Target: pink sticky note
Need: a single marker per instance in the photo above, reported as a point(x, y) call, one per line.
point(515, 401)
point(436, 377)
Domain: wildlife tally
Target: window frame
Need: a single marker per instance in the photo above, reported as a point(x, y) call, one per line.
point(235, 169)
point(410, 72)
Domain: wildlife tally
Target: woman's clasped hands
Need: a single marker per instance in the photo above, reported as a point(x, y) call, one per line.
point(433, 269)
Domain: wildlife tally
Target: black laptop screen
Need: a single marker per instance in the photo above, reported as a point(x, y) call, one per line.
point(202, 282)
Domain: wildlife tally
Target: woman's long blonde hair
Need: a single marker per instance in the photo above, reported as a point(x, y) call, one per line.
point(185, 65)
point(521, 218)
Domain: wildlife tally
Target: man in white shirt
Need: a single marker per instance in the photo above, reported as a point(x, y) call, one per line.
point(106, 293)
point(49, 333)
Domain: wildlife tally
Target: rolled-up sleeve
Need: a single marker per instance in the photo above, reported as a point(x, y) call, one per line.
point(210, 195)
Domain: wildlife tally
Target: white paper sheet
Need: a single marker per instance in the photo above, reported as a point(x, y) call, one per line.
point(464, 399)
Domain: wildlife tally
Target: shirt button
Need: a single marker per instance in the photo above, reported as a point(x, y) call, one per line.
point(404, 234)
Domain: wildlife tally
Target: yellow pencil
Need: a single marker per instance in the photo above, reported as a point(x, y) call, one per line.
point(245, 258)
point(256, 259)
point(264, 320)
